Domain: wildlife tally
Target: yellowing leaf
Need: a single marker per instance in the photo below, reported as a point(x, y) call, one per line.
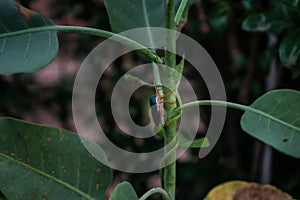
point(225, 191)
point(242, 190)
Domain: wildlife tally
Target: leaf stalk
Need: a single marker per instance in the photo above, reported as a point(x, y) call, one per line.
point(90, 31)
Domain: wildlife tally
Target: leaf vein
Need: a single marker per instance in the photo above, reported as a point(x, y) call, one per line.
point(27, 48)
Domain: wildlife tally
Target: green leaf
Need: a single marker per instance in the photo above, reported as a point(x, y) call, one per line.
point(270, 21)
point(124, 191)
point(28, 52)
point(198, 143)
point(219, 24)
point(295, 71)
point(218, 15)
point(287, 9)
point(292, 3)
point(218, 9)
point(289, 49)
point(281, 129)
point(129, 14)
point(248, 4)
point(38, 162)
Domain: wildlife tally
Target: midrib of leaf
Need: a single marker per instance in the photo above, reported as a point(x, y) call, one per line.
point(3, 45)
point(26, 166)
point(25, 25)
point(145, 12)
point(27, 47)
point(154, 66)
point(4, 40)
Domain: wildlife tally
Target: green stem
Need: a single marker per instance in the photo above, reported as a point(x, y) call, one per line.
point(90, 31)
point(212, 103)
point(153, 191)
point(235, 106)
point(169, 173)
point(180, 11)
point(156, 75)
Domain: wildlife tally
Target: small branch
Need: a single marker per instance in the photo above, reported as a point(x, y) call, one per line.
point(180, 11)
point(161, 191)
point(271, 83)
point(91, 31)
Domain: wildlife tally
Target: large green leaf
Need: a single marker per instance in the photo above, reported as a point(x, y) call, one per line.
point(288, 9)
point(291, 2)
point(281, 129)
point(289, 50)
point(129, 14)
point(270, 21)
point(38, 162)
point(124, 191)
point(28, 52)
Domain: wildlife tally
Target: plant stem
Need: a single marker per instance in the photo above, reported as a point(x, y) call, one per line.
point(153, 191)
point(169, 175)
point(90, 31)
point(213, 103)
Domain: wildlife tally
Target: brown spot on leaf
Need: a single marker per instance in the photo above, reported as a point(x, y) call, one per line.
point(261, 192)
point(25, 12)
point(98, 170)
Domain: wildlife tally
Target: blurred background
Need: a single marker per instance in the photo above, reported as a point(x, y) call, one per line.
point(249, 65)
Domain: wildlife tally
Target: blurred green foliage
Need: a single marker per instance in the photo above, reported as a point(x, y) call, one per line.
point(245, 38)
